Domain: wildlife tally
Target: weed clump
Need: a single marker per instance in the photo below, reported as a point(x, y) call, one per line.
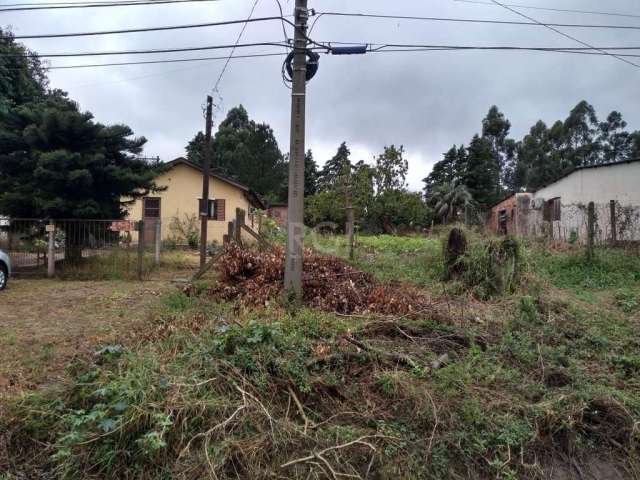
point(454, 251)
point(488, 266)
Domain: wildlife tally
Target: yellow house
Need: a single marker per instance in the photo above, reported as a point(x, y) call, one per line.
point(180, 202)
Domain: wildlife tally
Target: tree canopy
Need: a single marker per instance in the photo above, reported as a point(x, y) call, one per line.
point(493, 164)
point(378, 193)
point(247, 151)
point(55, 160)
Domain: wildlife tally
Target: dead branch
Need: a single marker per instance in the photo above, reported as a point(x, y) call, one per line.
point(395, 357)
point(320, 455)
point(300, 409)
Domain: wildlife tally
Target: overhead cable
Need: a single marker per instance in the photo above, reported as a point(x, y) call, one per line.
point(131, 3)
point(566, 35)
point(474, 20)
point(149, 51)
point(551, 9)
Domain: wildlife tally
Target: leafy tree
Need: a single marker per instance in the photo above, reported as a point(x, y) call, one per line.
point(22, 76)
point(396, 210)
point(325, 206)
point(447, 170)
point(195, 148)
point(580, 128)
point(310, 174)
point(634, 140)
point(57, 162)
point(613, 140)
point(391, 169)
point(334, 168)
point(482, 175)
point(495, 128)
point(246, 151)
point(449, 199)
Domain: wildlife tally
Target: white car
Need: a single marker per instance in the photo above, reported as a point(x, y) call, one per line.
point(5, 269)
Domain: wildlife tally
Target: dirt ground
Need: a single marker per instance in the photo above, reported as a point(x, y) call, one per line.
point(45, 323)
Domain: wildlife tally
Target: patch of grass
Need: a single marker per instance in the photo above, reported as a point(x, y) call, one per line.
point(411, 259)
point(610, 269)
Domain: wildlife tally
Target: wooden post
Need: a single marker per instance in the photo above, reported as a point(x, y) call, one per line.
point(51, 250)
point(230, 231)
point(158, 240)
point(591, 229)
point(140, 248)
point(614, 232)
point(204, 204)
point(239, 224)
point(350, 227)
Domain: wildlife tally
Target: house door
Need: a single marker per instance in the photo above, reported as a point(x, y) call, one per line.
point(502, 222)
point(150, 216)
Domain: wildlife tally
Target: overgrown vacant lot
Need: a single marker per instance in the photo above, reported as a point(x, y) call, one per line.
point(538, 382)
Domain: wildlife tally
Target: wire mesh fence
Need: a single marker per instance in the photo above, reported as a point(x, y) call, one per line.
point(83, 248)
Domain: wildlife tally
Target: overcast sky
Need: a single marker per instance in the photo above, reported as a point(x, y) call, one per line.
point(424, 101)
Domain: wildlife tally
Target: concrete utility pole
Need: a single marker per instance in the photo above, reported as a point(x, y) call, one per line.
point(204, 204)
point(295, 225)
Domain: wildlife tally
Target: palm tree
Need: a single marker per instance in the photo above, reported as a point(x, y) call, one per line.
point(449, 198)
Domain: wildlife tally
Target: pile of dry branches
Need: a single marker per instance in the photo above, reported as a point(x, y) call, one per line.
point(256, 278)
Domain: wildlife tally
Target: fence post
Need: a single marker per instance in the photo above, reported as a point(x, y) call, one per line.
point(230, 231)
point(51, 250)
point(614, 233)
point(158, 240)
point(239, 224)
point(591, 230)
point(140, 248)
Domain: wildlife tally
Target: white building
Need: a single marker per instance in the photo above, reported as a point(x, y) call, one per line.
point(560, 208)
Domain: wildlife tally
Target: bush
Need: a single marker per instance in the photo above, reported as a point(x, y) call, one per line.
point(185, 231)
point(492, 267)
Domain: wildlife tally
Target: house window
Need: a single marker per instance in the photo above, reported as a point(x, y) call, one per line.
point(215, 209)
point(151, 207)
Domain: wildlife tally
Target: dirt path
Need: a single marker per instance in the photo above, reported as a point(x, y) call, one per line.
point(45, 323)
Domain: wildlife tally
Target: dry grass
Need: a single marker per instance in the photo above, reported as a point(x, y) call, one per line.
point(46, 323)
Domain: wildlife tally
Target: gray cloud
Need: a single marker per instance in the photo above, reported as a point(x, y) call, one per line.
point(425, 101)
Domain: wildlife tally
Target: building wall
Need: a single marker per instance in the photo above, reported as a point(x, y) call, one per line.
point(516, 208)
point(181, 198)
point(279, 214)
point(598, 185)
point(619, 183)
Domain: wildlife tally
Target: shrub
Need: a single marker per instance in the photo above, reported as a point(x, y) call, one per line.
point(185, 231)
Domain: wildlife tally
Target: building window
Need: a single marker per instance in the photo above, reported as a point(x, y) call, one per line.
point(215, 209)
point(552, 210)
point(151, 207)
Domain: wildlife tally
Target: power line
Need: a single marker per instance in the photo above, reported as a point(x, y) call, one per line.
point(150, 51)
point(127, 3)
point(378, 46)
point(374, 48)
point(507, 49)
point(148, 29)
point(566, 35)
point(284, 29)
point(244, 27)
point(169, 60)
point(550, 9)
point(473, 20)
